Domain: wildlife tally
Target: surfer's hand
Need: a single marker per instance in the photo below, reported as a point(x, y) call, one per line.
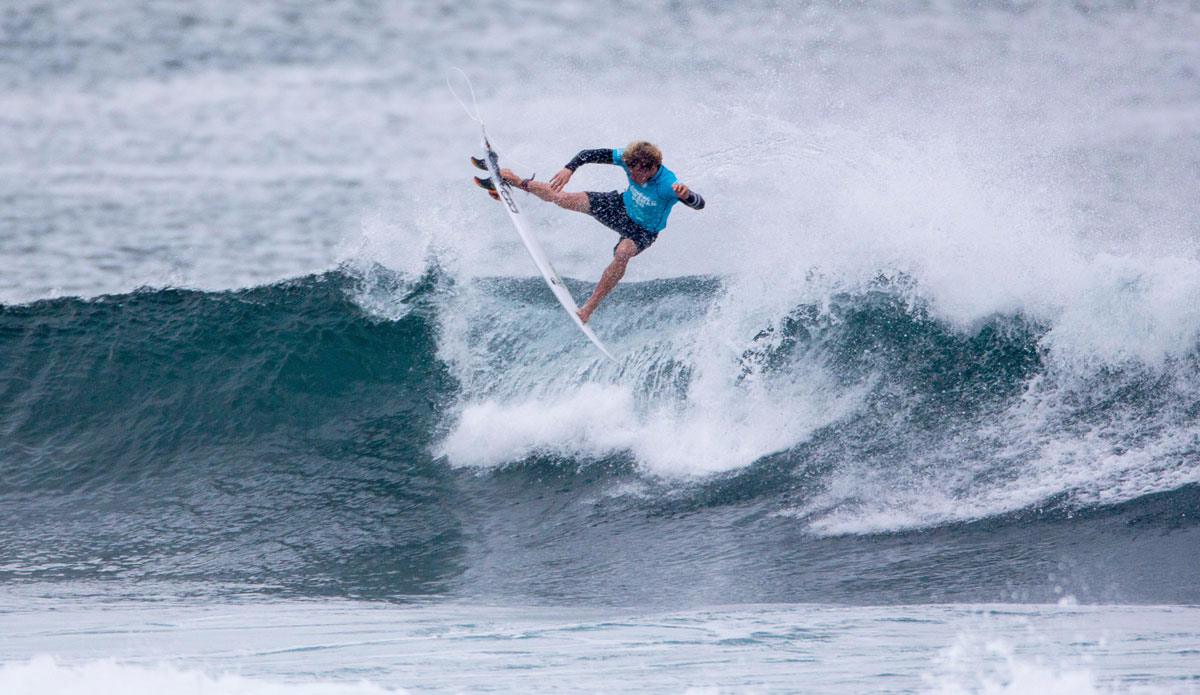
point(560, 179)
point(681, 191)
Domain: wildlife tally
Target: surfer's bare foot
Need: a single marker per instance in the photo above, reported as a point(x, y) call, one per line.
point(509, 176)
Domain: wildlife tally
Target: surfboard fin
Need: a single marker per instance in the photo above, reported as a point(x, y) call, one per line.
point(487, 185)
point(479, 163)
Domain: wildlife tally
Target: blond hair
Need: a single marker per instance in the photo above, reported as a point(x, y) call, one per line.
point(641, 155)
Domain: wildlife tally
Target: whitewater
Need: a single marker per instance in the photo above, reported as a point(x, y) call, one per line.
point(913, 405)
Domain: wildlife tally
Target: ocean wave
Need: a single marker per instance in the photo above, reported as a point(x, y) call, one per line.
point(370, 433)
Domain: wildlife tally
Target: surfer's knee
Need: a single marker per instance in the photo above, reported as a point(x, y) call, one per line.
point(576, 202)
point(625, 250)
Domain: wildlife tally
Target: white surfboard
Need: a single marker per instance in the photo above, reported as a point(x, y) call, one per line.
point(535, 249)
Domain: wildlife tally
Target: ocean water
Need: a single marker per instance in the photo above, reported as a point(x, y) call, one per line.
point(912, 406)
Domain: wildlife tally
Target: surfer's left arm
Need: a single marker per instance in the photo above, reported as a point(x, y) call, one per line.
point(560, 179)
point(688, 197)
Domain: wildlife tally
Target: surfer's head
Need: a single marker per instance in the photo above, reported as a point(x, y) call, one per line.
point(642, 159)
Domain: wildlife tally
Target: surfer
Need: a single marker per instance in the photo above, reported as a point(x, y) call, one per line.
point(638, 214)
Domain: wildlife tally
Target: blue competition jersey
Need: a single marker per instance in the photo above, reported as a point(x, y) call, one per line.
point(648, 204)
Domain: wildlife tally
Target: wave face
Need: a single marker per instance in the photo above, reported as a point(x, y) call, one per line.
point(368, 433)
point(174, 433)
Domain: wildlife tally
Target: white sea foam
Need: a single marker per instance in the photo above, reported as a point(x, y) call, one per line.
point(43, 675)
point(991, 667)
point(1032, 452)
point(592, 421)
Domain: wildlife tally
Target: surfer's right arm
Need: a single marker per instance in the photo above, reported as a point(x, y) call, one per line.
point(584, 157)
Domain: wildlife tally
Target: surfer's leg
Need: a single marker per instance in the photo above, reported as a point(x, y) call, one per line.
point(577, 202)
point(625, 250)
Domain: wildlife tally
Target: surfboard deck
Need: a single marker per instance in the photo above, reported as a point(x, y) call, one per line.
point(503, 192)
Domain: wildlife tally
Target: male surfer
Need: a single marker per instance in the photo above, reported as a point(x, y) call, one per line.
point(638, 214)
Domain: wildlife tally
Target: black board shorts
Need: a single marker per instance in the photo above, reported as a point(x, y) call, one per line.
point(609, 210)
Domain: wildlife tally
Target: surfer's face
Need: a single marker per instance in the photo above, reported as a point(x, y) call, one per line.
point(641, 175)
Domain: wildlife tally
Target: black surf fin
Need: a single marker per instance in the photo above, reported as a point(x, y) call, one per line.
point(479, 163)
